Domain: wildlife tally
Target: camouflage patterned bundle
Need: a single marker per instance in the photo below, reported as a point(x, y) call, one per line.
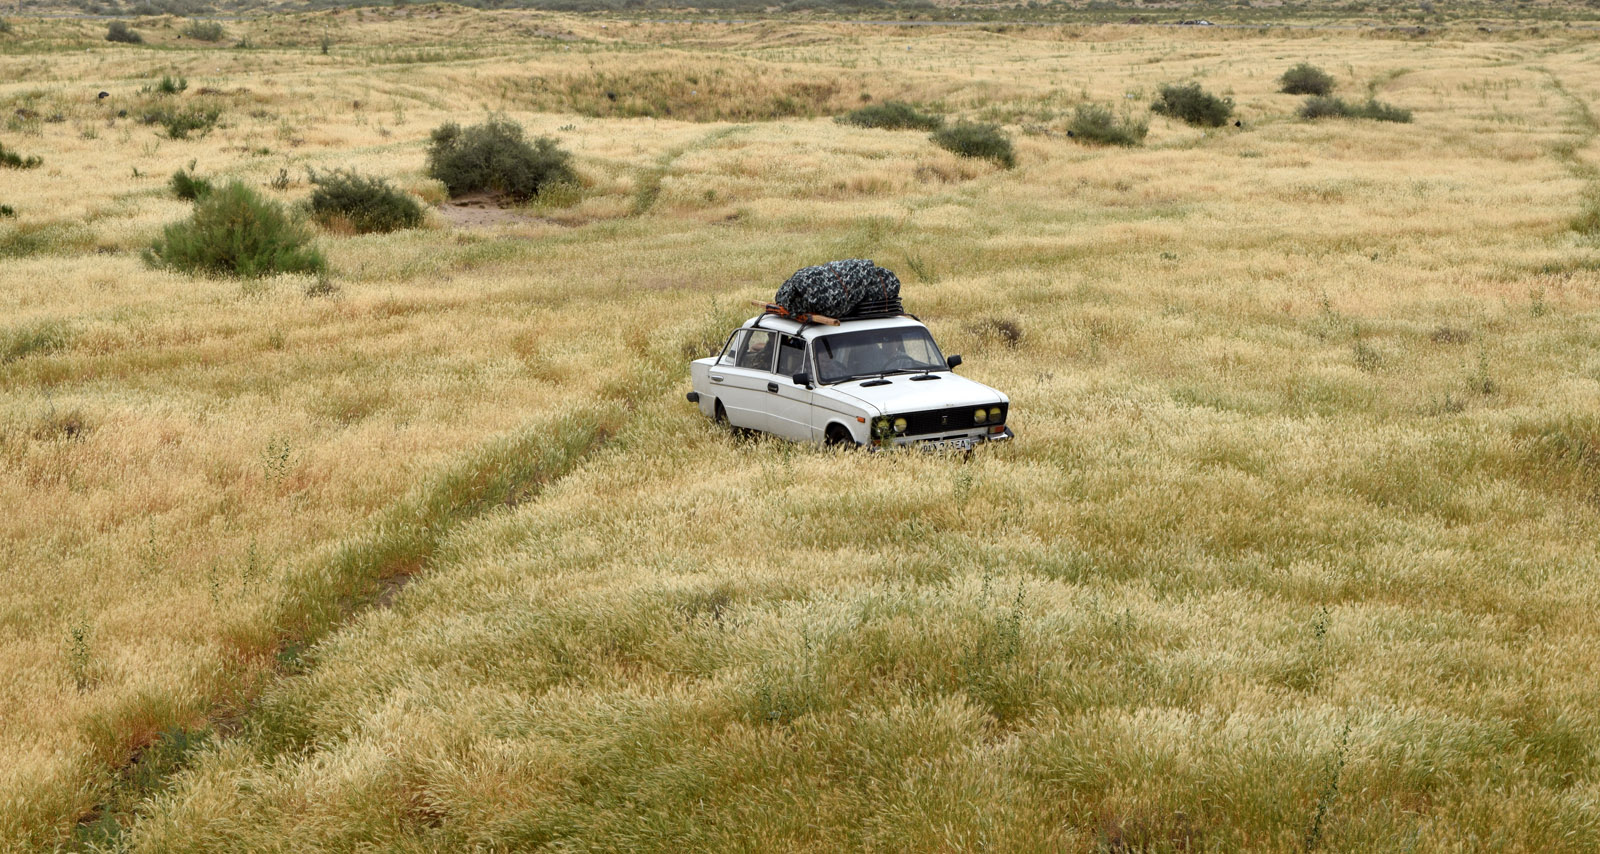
point(834, 289)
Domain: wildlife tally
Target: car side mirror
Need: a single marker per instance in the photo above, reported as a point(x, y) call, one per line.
point(953, 361)
point(802, 378)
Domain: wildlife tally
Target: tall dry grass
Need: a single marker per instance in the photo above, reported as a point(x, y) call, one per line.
point(1293, 551)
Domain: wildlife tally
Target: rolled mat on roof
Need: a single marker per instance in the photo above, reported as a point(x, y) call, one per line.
point(835, 289)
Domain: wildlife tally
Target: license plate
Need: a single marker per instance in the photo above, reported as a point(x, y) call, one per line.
point(960, 443)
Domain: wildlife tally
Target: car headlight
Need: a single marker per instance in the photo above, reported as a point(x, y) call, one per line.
point(994, 414)
point(899, 425)
point(980, 416)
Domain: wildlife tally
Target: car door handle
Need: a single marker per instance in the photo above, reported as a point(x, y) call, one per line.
point(772, 386)
point(715, 378)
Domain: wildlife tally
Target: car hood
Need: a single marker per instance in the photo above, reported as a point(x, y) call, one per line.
point(903, 395)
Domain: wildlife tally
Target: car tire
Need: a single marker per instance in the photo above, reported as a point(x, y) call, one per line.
point(837, 435)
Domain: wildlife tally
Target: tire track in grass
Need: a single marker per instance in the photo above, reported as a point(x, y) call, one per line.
point(363, 572)
point(650, 179)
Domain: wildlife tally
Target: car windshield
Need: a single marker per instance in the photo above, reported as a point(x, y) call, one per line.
point(874, 352)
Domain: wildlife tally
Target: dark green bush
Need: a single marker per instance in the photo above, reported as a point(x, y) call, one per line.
point(493, 157)
point(188, 186)
point(119, 31)
point(892, 115)
point(1306, 79)
point(1095, 123)
point(345, 200)
point(235, 232)
point(1324, 108)
point(205, 31)
point(12, 160)
point(977, 140)
point(1194, 105)
point(7, 210)
point(179, 123)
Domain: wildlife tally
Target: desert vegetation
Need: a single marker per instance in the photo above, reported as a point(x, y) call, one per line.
point(1097, 124)
point(493, 157)
point(1193, 104)
point(1329, 107)
point(327, 539)
point(893, 115)
point(1305, 79)
point(347, 201)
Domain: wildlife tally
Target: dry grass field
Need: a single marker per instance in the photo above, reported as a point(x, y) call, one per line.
point(1296, 548)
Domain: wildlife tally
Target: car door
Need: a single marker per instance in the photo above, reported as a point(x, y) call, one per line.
point(742, 375)
point(789, 405)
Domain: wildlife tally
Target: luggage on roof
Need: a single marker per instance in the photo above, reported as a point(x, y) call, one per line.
point(840, 289)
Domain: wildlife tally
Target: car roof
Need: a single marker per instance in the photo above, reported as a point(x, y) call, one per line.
point(809, 331)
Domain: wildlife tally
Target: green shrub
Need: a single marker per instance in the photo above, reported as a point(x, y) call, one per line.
point(168, 85)
point(494, 157)
point(1095, 123)
point(188, 186)
point(205, 31)
point(179, 123)
point(235, 232)
point(345, 200)
point(39, 338)
point(5, 27)
point(892, 115)
point(1306, 79)
point(977, 140)
point(12, 160)
point(119, 31)
point(1194, 105)
point(7, 211)
point(1324, 107)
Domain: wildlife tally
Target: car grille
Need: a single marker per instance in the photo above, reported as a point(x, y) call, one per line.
point(947, 420)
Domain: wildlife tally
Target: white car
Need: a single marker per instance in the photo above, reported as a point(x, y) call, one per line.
point(877, 382)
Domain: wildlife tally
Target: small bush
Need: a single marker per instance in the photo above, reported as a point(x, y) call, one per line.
point(38, 339)
point(344, 199)
point(180, 123)
point(235, 232)
point(494, 157)
point(12, 160)
point(188, 186)
point(7, 211)
point(1306, 79)
point(1194, 105)
point(977, 140)
point(1324, 107)
point(892, 115)
point(168, 85)
point(119, 31)
point(1095, 123)
point(205, 31)
point(5, 27)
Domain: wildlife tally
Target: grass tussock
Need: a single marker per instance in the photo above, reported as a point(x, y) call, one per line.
point(119, 31)
point(1336, 108)
point(235, 232)
point(980, 141)
point(892, 115)
point(1193, 104)
point(493, 157)
point(183, 122)
point(33, 339)
point(205, 31)
point(188, 186)
point(1096, 124)
point(345, 201)
point(12, 160)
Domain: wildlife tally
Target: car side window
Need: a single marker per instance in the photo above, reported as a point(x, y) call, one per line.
point(757, 352)
point(735, 341)
point(791, 355)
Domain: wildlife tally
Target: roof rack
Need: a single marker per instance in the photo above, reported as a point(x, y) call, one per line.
point(876, 308)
